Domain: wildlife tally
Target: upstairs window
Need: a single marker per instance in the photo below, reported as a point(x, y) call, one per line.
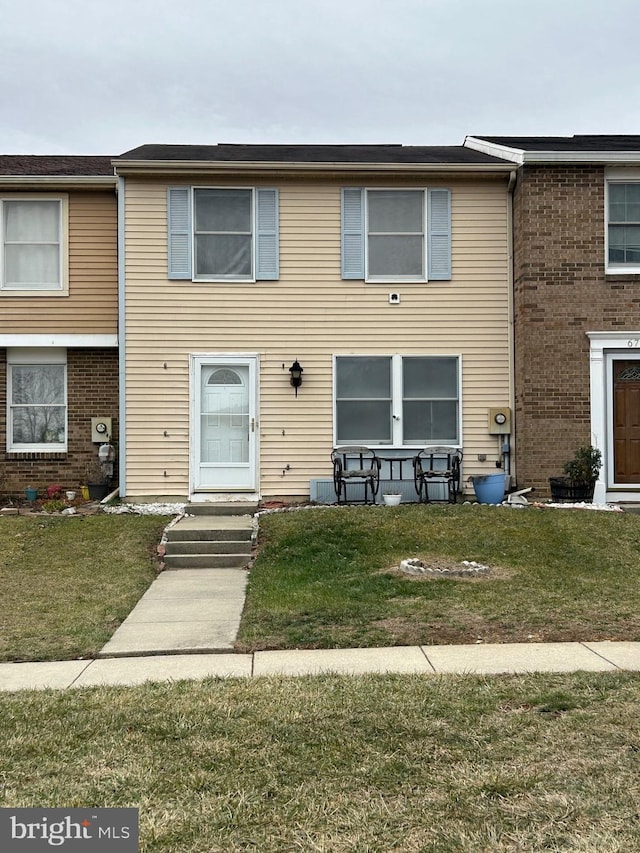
point(222, 234)
point(623, 228)
point(396, 235)
point(32, 258)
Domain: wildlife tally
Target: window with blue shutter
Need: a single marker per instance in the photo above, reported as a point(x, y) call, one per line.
point(393, 235)
point(223, 234)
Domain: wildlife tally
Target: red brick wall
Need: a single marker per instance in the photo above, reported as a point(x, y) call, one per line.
point(560, 293)
point(92, 391)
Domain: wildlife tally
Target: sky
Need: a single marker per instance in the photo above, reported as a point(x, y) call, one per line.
point(89, 77)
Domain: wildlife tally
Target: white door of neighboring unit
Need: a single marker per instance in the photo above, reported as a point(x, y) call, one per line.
point(225, 423)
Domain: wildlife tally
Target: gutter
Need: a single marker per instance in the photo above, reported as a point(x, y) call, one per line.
point(122, 340)
point(146, 167)
point(58, 181)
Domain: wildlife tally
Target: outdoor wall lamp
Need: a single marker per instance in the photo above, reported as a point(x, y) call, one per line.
point(296, 371)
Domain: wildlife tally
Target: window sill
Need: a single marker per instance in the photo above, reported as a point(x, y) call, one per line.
point(20, 455)
point(224, 280)
point(8, 293)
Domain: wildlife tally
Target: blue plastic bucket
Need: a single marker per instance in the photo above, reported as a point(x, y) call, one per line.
point(489, 488)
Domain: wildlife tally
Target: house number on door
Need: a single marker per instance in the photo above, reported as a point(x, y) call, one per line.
point(632, 343)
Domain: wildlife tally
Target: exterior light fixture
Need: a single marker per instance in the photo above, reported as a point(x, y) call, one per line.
point(296, 371)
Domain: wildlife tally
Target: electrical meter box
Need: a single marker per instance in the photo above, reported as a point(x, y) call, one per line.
point(500, 420)
point(100, 430)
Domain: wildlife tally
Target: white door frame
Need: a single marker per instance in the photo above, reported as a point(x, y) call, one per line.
point(196, 362)
point(604, 347)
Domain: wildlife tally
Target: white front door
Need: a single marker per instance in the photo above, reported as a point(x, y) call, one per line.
point(224, 423)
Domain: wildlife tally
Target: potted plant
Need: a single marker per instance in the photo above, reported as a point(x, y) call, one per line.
point(392, 498)
point(581, 474)
point(97, 479)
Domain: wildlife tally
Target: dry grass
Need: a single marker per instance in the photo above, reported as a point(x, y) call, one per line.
point(336, 764)
point(67, 583)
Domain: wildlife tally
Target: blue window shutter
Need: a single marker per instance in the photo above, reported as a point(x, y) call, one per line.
point(352, 232)
point(439, 235)
point(267, 252)
point(179, 231)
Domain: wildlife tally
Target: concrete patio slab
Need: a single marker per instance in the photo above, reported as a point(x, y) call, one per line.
point(40, 675)
point(515, 658)
point(625, 655)
point(133, 671)
point(347, 661)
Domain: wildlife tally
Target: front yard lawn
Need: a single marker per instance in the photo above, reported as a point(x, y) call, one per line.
point(328, 577)
point(341, 764)
point(67, 583)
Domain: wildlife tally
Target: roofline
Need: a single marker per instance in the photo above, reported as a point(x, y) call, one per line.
point(124, 167)
point(58, 181)
point(521, 157)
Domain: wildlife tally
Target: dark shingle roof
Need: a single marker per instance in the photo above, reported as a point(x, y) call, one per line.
point(580, 142)
point(32, 165)
point(310, 154)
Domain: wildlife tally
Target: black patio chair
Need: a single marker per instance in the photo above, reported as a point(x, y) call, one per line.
point(437, 465)
point(355, 465)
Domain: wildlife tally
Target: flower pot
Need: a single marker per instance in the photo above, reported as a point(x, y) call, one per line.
point(71, 496)
point(84, 491)
point(98, 491)
point(31, 494)
point(489, 488)
point(563, 489)
point(392, 500)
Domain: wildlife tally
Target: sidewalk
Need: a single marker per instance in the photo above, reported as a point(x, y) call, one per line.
point(424, 660)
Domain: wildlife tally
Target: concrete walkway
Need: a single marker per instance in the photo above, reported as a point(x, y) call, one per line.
point(424, 660)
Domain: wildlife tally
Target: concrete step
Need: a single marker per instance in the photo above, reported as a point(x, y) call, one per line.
point(200, 546)
point(205, 561)
point(215, 509)
point(176, 534)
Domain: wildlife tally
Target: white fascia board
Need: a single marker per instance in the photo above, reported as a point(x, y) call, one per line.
point(82, 341)
point(520, 156)
point(57, 181)
point(595, 157)
point(514, 155)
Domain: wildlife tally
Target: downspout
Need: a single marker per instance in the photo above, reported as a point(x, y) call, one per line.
point(509, 467)
point(122, 467)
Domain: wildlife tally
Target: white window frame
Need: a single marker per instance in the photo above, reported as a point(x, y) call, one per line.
point(18, 357)
point(224, 278)
point(382, 279)
point(397, 400)
point(617, 176)
point(62, 286)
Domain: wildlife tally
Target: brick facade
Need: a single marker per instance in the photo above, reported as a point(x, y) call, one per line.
point(560, 292)
point(92, 391)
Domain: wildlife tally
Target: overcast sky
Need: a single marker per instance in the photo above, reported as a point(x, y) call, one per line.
point(89, 77)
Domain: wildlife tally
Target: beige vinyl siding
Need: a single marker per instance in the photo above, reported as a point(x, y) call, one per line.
point(91, 306)
point(310, 314)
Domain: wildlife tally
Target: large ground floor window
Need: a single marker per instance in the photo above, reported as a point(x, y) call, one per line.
point(37, 400)
point(397, 400)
